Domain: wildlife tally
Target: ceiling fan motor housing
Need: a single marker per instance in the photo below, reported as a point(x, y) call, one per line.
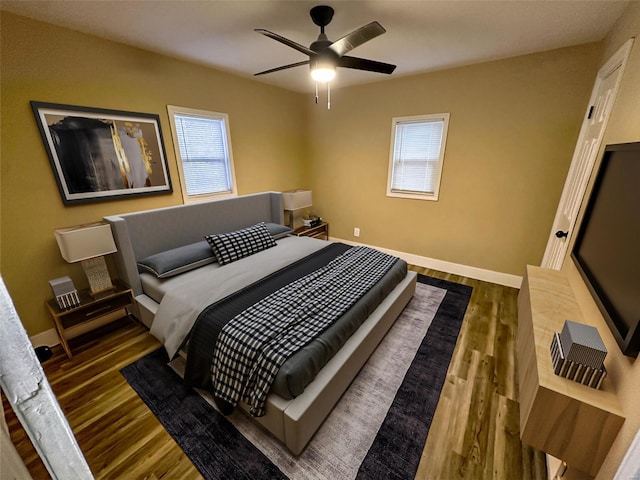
point(320, 44)
point(324, 59)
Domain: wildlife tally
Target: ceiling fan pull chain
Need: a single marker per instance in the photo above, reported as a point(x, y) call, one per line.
point(328, 95)
point(316, 92)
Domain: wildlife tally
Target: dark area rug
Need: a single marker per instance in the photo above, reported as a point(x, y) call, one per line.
point(396, 451)
point(218, 450)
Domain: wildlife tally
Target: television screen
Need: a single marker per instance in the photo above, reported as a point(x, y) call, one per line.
point(607, 248)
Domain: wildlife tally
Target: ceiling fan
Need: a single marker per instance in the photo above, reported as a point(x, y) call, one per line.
point(325, 55)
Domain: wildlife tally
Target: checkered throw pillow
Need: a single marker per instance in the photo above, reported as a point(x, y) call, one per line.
point(232, 246)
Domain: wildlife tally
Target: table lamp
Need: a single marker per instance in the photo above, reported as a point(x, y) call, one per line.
point(294, 200)
point(87, 244)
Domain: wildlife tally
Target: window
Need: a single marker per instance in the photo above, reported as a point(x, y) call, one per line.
point(417, 153)
point(203, 150)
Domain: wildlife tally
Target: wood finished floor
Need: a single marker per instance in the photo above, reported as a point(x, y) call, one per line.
point(474, 434)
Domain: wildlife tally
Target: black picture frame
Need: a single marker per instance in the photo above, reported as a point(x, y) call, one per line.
point(99, 154)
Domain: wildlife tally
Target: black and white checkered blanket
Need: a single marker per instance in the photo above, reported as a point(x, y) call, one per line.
point(252, 347)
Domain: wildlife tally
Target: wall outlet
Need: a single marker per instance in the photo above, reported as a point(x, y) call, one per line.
point(356, 232)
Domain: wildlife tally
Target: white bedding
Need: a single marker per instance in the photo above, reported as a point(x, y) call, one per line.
point(189, 293)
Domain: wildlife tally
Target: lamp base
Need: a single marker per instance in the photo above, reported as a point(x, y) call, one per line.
point(96, 271)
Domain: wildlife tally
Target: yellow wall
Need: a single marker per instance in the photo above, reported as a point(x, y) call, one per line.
point(512, 130)
point(623, 127)
point(46, 63)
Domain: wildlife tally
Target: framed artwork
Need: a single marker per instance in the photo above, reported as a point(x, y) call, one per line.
point(98, 154)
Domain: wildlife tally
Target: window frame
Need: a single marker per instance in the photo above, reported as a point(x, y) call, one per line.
point(175, 110)
point(395, 121)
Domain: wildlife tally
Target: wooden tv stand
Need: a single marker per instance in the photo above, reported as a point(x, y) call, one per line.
point(561, 417)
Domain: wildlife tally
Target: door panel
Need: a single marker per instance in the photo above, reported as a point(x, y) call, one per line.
point(584, 157)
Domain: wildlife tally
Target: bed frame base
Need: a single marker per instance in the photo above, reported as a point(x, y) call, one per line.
point(294, 422)
point(147, 309)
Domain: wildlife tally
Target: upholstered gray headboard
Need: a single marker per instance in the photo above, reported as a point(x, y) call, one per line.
point(145, 233)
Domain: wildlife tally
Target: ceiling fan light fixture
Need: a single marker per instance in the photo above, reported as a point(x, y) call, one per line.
point(323, 74)
point(325, 55)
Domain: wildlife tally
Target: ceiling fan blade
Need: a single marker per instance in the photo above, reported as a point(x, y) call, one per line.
point(286, 41)
point(357, 38)
point(364, 64)
point(284, 67)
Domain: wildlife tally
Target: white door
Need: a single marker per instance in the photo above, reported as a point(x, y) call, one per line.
point(584, 156)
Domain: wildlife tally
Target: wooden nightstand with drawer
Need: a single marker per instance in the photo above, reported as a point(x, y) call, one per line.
point(91, 307)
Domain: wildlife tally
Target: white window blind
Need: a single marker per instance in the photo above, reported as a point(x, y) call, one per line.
point(202, 148)
point(416, 156)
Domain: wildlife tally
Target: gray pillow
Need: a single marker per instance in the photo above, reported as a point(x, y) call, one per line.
point(278, 231)
point(232, 246)
point(177, 260)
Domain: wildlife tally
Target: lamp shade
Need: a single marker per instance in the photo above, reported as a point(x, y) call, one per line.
point(296, 199)
point(85, 241)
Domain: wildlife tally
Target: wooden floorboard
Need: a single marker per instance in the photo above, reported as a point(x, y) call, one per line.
point(474, 435)
point(120, 437)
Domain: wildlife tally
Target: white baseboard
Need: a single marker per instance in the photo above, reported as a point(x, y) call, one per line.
point(500, 278)
point(48, 338)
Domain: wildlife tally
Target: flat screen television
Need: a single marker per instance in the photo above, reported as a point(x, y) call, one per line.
point(607, 247)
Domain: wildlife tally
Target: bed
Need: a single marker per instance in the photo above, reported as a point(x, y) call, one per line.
point(169, 303)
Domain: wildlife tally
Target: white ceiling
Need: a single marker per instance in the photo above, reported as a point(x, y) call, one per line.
point(421, 35)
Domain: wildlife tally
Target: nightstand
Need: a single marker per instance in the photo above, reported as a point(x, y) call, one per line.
point(319, 231)
point(91, 308)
